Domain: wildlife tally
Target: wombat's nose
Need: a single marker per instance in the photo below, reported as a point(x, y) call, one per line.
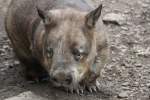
point(68, 79)
point(62, 78)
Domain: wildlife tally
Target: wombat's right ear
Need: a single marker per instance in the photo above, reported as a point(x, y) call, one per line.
point(43, 15)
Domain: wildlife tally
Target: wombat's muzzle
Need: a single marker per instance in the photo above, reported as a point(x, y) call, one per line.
point(61, 78)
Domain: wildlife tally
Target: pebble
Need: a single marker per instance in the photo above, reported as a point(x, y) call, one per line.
point(138, 65)
point(126, 88)
point(5, 46)
point(145, 5)
point(123, 94)
point(148, 85)
point(27, 95)
point(114, 18)
point(125, 84)
point(16, 62)
point(6, 63)
point(124, 28)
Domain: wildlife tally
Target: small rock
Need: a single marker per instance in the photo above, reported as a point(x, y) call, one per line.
point(145, 5)
point(136, 84)
point(124, 28)
point(125, 84)
point(127, 11)
point(126, 88)
point(16, 62)
point(138, 65)
point(123, 94)
point(148, 85)
point(5, 46)
point(28, 95)
point(114, 18)
point(2, 50)
point(6, 64)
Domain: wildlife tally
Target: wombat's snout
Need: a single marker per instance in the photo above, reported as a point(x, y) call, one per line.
point(62, 78)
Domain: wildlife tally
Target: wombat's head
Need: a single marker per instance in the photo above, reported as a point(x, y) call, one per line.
point(69, 44)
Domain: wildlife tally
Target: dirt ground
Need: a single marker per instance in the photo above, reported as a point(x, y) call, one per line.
point(127, 75)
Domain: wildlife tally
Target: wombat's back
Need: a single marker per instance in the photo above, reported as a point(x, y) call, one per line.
point(21, 21)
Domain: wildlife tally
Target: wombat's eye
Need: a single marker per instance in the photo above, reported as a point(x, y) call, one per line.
point(78, 54)
point(50, 52)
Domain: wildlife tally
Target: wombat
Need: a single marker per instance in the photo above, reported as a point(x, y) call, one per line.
point(64, 39)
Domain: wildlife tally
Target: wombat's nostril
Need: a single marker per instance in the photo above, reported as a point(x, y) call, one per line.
point(54, 79)
point(68, 79)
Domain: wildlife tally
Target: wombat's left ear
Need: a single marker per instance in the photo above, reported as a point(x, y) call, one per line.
point(93, 16)
point(43, 15)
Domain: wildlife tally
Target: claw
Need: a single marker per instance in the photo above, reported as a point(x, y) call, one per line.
point(97, 83)
point(67, 90)
point(94, 88)
point(77, 91)
point(98, 86)
point(81, 91)
point(90, 89)
point(71, 90)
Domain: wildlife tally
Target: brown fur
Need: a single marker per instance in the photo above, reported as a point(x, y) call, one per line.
point(68, 28)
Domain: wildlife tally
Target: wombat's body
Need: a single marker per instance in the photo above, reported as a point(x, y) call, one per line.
point(31, 37)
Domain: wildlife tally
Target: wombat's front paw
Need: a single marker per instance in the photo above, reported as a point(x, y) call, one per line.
point(78, 90)
point(93, 87)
